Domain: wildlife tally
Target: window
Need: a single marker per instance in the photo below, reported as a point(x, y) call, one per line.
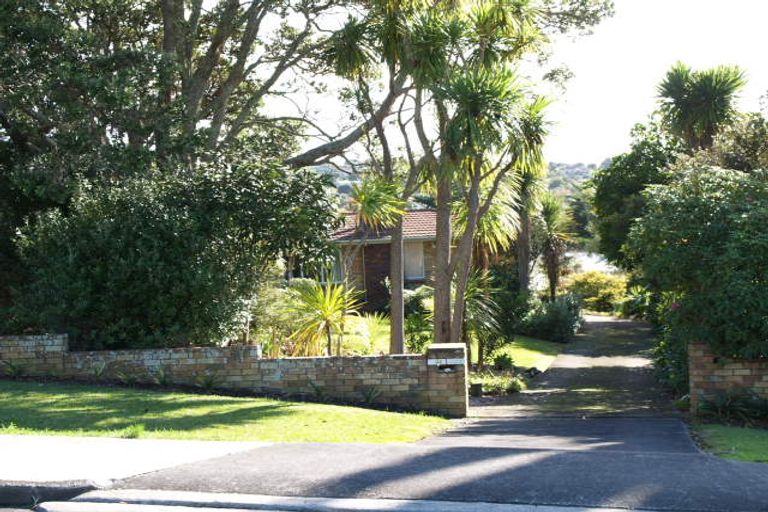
point(336, 272)
point(414, 260)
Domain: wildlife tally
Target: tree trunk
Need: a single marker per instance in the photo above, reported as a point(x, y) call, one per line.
point(397, 303)
point(480, 353)
point(468, 343)
point(553, 269)
point(524, 251)
point(329, 339)
point(442, 333)
point(462, 259)
point(459, 300)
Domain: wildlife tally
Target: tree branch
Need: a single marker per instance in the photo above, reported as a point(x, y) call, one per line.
point(337, 146)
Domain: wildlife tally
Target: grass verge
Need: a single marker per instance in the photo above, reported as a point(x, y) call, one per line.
point(736, 443)
point(32, 408)
point(531, 352)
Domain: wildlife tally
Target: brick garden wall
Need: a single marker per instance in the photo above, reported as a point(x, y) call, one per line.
point(436, 382)
point(710, 374)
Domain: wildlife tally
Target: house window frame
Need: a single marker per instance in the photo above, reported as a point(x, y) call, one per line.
point(423, 274)
point(337, 270)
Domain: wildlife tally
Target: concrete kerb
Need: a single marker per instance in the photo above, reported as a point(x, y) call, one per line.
point(29, 494)
point(248, 502)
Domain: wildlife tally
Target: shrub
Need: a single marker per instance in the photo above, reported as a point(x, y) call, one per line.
point(741, 406)
point(670, 360)
point(503, 362)
point(273, 316)
point(208, 380)
point(418, 333)
point(418, 300)
point(638, 303)
point(498, 383)
point(598, 291)
point(556, 320)
point(13, 369)
point(704, 240)
point(169, 261)
point(366, 334)
point(514, 305)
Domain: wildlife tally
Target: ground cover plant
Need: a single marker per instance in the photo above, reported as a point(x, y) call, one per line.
point(31, 408)
point(498, 382)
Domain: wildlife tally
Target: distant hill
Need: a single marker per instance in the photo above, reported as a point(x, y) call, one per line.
point(565, 179)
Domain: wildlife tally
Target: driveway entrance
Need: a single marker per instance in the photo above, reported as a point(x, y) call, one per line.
point(606, 370)
point(594, 431)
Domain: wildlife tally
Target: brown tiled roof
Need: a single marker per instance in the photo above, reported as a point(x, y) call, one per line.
point(417, 224)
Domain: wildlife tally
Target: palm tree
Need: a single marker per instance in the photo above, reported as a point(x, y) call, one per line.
point(695, 104)
point(322, 309)
point(497, 229)
point(531, 186)
point(496, 130)
point(482, 313)
point(376, 203)
point(556, 223)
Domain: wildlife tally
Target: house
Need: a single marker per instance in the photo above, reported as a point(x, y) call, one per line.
point(364, 255)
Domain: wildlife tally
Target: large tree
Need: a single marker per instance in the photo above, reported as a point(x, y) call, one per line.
point(95, 93)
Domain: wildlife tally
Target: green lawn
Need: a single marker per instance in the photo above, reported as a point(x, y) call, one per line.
point(737, 443)
point(82, 410)
point(530, 352)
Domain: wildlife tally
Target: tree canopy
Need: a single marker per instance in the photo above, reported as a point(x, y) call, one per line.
point(618, 188)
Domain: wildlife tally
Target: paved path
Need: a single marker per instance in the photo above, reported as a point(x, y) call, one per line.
point(594, 431)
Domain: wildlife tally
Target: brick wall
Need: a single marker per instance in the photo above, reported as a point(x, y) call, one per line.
point(710, 374)
point(436, 382)
point(36, 356)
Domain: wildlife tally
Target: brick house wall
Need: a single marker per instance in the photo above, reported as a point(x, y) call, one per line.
point(710, 374)
point(376, 269)
point(371, 267)
point(435, 382)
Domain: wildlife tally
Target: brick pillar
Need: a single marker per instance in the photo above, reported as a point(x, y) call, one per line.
point(700, 366)
point(447, 379)
point(710, 374)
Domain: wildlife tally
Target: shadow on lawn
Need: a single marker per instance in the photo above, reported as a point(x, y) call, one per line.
point(67, 407)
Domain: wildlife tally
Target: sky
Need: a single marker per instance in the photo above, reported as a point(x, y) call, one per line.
point(618, 67)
